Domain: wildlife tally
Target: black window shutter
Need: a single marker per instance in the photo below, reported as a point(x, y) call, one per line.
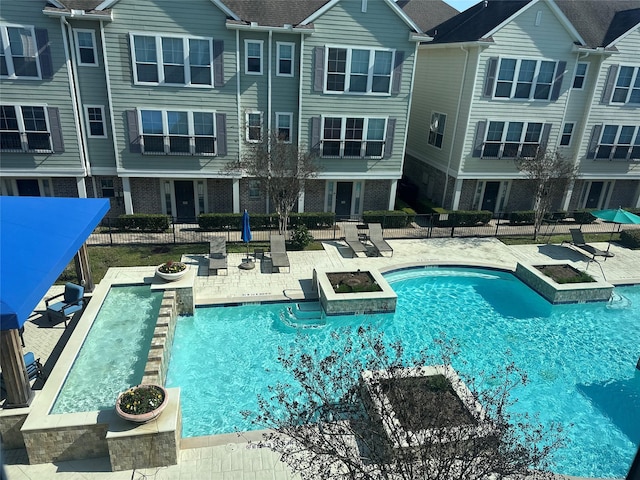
point(544, 137)
point(557, 82)
point(318, 78)
point(593, 142)
point(57, 141)
point(609, 84)
point(490, 77)
point(388, 142)
point(478, 141)
point(221, 133)
point(218, 63)
point(315, 135)
point(134, 132)
point(44, 53)
point(397, 72)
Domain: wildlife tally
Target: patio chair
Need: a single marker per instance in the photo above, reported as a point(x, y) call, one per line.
point(72, 302)
point(577, 241)
point(218, 255)
point(278, 252)
point(379, 243)
point(353, 240)
point(34, 369)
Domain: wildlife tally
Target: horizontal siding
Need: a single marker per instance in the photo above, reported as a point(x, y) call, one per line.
point(53, 92)
point(346, 25)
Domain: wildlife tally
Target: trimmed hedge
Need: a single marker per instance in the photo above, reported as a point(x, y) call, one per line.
point(386, 218)
point(143, 222)
point(526, 217)
point(630, 238)
point(462, 218)
point(264, 221)
point(411, 214)
point(584, 216)
point(219, 221)
point(313, 220)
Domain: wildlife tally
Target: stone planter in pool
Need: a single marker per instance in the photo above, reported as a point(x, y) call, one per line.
point(598, 291)
point(171, 276)
point(133, 395)
point(383, 300)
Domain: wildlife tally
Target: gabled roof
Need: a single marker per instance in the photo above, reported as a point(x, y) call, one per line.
point(427, 13)
point(597, 22)
point(274, 13)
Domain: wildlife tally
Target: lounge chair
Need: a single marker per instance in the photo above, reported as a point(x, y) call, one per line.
point(379, 243)
point(72, 302)
point(34, 368)
point(218, 255)
point(353, 240)
point(278, 252)
point(577, 241)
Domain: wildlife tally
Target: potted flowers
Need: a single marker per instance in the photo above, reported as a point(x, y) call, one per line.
point(171, 270)
point(142, 403)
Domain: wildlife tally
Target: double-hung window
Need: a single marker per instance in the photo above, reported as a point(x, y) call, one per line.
point(353, 137)
point(525, 79)
point(619, 142)
point(359, 70)
point(567, 132)
point(512, 139)
point(284, 122)
point(24, 129)
point(86, 47)
point(174, 132)
point(253, 57)
point(436, 129)
point(18, 52)
point(580, 76)
point(95, 121)
point(285, 59)
point(169, 60)
point(254, 127)
point(627, 87)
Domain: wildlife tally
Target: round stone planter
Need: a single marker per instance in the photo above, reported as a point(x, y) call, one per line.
point(170, 277)
point(143, 417)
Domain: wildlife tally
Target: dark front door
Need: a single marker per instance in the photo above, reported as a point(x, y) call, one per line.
point(594, 195)
point(185, 204)
point(490, 198)
point(28, 187)
point(343, 199)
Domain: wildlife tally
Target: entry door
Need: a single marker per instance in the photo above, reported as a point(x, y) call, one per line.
point(593, 198)
point(28, 187)
point(490, 197)
point(185, 203)
point(343, 199)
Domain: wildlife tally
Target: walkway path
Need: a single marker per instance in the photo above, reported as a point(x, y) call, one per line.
point(227, 457)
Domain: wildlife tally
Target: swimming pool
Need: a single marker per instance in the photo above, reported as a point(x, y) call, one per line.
point(580, 358)
point(114, 354)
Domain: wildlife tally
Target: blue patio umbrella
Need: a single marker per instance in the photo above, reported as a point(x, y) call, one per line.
point(246, 230)
point(619, 216)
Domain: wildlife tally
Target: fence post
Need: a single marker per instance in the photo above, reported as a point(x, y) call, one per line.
point(173, 228)
point(110, 230)
point(498, 222)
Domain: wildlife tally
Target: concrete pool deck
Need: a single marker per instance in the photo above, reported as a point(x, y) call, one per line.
point(227, 457)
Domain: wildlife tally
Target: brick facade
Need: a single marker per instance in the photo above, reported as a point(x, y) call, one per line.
point(145, 195)
point(376, 195)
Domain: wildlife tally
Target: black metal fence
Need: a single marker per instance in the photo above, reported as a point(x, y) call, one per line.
point(422, 226)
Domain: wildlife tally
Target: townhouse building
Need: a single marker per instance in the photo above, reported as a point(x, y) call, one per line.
point(147, 102)
point(505, 78)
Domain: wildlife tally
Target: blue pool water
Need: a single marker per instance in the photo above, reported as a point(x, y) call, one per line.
point(114, 354)
point(580, 358)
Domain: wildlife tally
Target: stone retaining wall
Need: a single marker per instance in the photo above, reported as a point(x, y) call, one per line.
point(160, 351)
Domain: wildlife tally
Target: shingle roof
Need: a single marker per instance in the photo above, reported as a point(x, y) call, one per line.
point(427, 13)
point(274, 12)
point(86, 5)
point(598, 22)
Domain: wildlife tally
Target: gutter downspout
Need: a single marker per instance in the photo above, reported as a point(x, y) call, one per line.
point(269, 86)
point(299, 134)
point(236, 208)
point(455, 125)
point(75, 95)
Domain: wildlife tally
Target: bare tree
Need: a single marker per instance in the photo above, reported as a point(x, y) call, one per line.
point(327, 423)
point(549, 174)
point(282, 169)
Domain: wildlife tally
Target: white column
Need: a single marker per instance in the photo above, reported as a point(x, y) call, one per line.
point(82, 187)
point(236, 195)
point(126, 193)
point(392, 194)
point(457, 192)
point(301, 201)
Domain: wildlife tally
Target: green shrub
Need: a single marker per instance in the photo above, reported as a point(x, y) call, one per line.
point(584, 216)
point(143, 222)
point(425, 206)
point(262, 221)
point(630, 238)
point(386, 218)
point(219, 221)
point(300, 237)
point(313, 220)
point(411, 214)
point(556, 216)
point(462, 218)
point(527, 217)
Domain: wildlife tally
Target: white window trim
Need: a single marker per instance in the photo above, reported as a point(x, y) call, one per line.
point(562, 134)
point(253, 112)
point(160, 60)
point(534, 82)
point(293, 56)
point(347, 81)
point(636, 74)
point(285, 114)
point(440, 115)
point(9, 58)
point(615, 143)
point(166, 135)
point(503, 139)
point(342, 140)
point(93, 46)
point(256, 186)
point(584, 81)
point(247, 42)
point(104, 123)
point(23, 132)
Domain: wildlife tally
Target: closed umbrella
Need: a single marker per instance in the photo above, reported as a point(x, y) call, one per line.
point(619, 216)
point(246, 230)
